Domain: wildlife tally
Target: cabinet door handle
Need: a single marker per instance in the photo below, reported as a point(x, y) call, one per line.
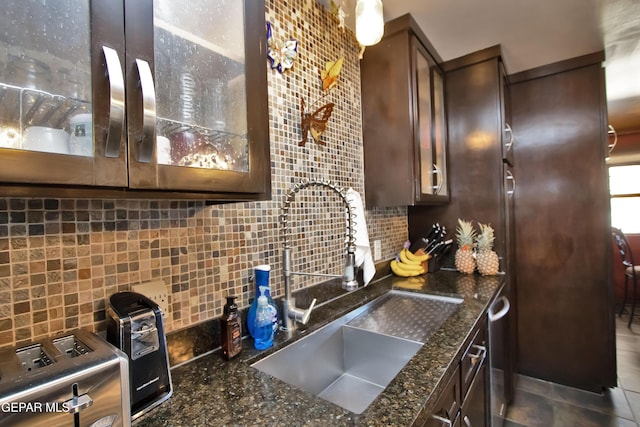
point(509, 144)
point(116, 102)
point(479, 356)
point(613, 132)
point(443, 420)
point(148, 93)
point(493, 317)
point(467, 421)
point(438, 173)
point(511, 178)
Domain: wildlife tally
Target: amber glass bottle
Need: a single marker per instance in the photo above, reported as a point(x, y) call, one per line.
point(231, 329)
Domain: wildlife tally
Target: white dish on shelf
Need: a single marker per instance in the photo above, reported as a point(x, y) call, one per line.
point(46, 139)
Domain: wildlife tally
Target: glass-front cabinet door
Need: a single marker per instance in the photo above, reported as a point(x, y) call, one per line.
point(46, 95)
point(430, 128)
point(425, 158)
point(205, 64)
point(439, 133)
point(135, 94)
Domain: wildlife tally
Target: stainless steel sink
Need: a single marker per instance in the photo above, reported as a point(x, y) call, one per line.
point(350, 361)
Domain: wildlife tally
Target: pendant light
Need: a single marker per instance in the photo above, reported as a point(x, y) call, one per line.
point(369, 22)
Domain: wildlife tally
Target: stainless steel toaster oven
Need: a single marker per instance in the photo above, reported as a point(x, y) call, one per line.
point(76, 379)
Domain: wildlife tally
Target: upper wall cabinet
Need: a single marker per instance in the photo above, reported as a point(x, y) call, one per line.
point(405, 129)
point(159, 98)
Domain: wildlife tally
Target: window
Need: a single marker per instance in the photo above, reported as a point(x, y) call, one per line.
point(624, 184)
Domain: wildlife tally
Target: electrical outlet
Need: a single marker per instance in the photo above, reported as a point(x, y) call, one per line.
point(155, 291)
point(377, 250)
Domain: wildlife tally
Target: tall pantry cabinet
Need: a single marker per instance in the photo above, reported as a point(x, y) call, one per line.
point(476, 123)
point(480, 186)
point(566, 330)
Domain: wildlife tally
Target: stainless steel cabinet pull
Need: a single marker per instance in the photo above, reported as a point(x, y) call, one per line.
point(493, 317)
point(511, 178)
point(467, 421)
point(78, 403)
point(438, 173)
point(479, 356)
point(613, 132)
point(509, 144)
point(148, 93)
point(116, 102)
point(443, 420)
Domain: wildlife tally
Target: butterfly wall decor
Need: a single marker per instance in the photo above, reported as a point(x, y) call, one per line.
point(281, 52)
point(315, 122)
point(330, 74)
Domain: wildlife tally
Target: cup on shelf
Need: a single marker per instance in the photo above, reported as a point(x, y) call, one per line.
point(214, 100)
point(29, 72)
point(46, 139)
point(163, 150)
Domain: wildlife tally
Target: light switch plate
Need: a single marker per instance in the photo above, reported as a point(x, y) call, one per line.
point(377, 250)
point(155, 291)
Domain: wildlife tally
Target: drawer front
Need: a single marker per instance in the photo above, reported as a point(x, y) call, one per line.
point(474, 407)
point(446, 410)
point(472, 359)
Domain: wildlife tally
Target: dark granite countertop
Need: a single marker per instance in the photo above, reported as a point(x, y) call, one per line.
point(209, 391)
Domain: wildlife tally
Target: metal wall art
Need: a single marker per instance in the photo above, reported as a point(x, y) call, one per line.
point(316, 122)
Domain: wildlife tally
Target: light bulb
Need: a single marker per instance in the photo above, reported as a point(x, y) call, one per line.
point(369, 22)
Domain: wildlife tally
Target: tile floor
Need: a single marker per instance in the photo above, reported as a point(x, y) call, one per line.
point(543, 404)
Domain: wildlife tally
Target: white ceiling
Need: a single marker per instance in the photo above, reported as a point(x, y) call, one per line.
point(533, 33)
point(529, 33)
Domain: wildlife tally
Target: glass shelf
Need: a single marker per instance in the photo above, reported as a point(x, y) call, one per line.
point(43, 115)
point(200, 147)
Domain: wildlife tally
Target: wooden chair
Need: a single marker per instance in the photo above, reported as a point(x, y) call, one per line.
point(631, 270)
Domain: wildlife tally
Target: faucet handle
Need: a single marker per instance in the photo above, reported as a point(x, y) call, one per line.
point(297, 314)
point(307, 313)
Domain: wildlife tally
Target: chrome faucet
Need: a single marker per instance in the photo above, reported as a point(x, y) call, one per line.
point(291, 314)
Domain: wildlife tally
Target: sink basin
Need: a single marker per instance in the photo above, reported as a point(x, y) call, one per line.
point(351, 360)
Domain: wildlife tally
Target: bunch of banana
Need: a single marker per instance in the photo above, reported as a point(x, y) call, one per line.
point(409, 264)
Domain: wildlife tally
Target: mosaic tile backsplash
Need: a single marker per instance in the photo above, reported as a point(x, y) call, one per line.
point(60, 259)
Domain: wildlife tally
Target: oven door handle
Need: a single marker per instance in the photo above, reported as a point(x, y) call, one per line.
point(494, 317)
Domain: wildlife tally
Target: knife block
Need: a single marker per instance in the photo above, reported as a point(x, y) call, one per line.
point(433, 264)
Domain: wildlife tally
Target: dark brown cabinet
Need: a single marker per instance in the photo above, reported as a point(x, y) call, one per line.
point(474, 383)
point(404, 118)
point(152, 97)
point(474, 407)
point(482, 182)
point(566, 329)
point(447, 409)
point(475, 111)
point(464, 400)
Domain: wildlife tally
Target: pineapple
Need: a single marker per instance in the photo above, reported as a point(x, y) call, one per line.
point(487, 259)
point(465, 262)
